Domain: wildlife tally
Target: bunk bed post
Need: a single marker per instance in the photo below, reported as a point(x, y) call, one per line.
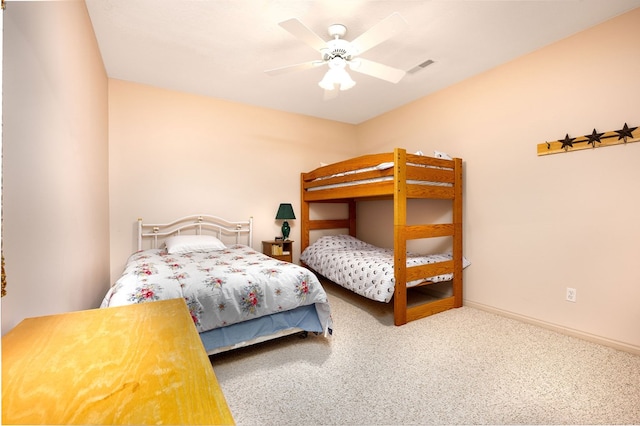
point(352, 217)
point(400, 236)
point(457, 234)
point(304, 216)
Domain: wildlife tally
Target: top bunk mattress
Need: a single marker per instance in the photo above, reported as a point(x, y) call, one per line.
point(375, 174)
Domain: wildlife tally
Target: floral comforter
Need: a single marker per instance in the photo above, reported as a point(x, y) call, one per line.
point(220, 287)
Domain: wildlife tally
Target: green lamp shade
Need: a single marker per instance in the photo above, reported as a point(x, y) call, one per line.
point(285, 212)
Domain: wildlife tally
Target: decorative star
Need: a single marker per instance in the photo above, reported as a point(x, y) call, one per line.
point(594, 137)
point(567, 142)
point(625, 132)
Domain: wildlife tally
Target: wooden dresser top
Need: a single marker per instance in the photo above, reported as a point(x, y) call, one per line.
point(137, 364)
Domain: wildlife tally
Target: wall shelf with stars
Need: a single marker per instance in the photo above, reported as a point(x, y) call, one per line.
point(594, 140)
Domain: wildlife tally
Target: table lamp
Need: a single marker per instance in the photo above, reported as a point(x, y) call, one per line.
point(285, 212)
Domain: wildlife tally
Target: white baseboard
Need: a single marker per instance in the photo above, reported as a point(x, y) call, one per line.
point(558, 328)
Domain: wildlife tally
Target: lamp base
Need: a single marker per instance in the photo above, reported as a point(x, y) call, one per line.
point(285, 230)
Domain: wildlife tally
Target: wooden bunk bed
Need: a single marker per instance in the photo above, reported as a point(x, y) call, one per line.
point(398, 176)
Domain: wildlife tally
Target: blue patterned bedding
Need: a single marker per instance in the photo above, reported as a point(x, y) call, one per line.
point(221, 287)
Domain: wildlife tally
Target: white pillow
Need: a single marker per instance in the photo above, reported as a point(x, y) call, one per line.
point(440, 154)
point(179, 244)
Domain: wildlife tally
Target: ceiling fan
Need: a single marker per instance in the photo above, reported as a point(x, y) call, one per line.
point(337, 53)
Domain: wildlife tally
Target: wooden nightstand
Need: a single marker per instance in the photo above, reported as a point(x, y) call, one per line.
point(281, 250)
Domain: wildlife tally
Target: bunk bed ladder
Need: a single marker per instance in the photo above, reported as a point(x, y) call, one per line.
point(403, 232)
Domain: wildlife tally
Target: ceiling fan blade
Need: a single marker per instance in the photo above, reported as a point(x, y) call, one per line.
point(378, 70)
point(300, 31)
point(382, 31)
point(296, 67)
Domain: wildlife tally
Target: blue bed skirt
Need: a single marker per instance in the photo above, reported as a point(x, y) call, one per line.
point(303, 318)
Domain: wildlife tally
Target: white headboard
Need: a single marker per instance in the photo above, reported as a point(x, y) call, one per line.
point(200, 224)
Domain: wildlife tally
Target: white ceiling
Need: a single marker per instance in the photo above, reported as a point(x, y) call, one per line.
point(221, 48)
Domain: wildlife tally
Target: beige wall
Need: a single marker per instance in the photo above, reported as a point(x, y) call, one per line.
point(537, 225)
point(173, 154)
point(55, 153)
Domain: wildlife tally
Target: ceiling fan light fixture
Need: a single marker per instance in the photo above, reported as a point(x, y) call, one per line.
point(336, 77)
point(327, 81)
point(346, 82)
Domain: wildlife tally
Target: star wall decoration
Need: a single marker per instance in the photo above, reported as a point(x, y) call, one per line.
point(594, 137)
point(594, 140)
point(567, 142)
point(625, 132)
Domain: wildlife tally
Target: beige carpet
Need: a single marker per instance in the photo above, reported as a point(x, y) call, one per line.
point(463, 366)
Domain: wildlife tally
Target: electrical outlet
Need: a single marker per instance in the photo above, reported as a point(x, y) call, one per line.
point(572, 294)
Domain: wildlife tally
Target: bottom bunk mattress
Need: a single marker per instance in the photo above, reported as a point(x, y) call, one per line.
point(364, 268)
point(241, 293)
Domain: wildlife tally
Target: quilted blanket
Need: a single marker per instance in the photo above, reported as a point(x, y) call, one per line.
point(364, 268)
point(220, 287)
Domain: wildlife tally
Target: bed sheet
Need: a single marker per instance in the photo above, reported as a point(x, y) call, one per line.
point(220, 287)
point(364, 268)
point(381, 166)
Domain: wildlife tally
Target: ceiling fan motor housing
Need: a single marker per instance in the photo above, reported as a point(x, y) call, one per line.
point(337, 48)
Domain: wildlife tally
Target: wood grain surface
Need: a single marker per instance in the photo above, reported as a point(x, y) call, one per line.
point(138, 364)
